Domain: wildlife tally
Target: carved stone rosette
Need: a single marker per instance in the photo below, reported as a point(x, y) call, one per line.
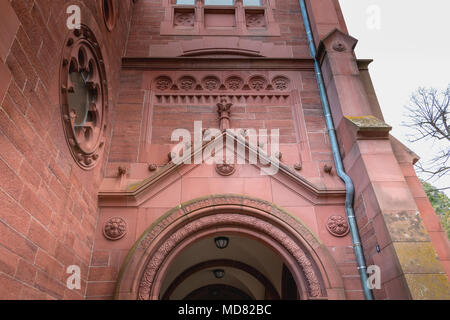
point(84, 97)
point(234, 83)
point(281, 83)
point(187, 83)
point(338, 226)
point(163, 83)
point(211, 83)
point(225, 169)
point(258, 83)
point(115, 229)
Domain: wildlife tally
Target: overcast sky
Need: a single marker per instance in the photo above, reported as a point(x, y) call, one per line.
point(410, 49)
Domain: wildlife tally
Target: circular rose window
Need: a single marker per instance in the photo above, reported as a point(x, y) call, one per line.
point(83, 97)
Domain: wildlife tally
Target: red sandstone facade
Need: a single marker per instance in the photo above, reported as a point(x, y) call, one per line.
point(101, 193)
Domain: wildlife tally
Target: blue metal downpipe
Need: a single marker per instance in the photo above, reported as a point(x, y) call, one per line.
point(350, 189)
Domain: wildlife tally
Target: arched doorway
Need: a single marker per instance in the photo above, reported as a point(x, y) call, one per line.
point(266, 247)
point(241, 263)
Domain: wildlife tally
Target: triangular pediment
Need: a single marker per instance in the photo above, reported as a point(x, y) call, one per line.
point(138, 192)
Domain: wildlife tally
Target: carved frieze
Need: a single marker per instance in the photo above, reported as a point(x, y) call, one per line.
point(256, 89)
point(214, 83)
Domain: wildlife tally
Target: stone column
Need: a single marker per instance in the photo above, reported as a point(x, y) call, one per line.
point(393, 234)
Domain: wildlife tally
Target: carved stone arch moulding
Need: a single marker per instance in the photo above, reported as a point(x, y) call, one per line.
point(145, 266)
point(83, 96)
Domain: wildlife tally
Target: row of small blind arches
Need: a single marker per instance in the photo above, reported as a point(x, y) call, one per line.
point(221, 2)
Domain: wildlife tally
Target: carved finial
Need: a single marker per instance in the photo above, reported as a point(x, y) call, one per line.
point(224, 109)
point(122, 171)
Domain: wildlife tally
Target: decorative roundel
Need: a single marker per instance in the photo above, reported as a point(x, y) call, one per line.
point(115, 229)
point(163, 83)
point(225, 169)
point(338, 226)
point(211, 83)
point(281, 83)
point(109, 13)
point(187, 83)
point(258, 83)
point(84, 97)
point(234, 83)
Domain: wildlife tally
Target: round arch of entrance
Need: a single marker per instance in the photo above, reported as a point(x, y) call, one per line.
point(313, 269)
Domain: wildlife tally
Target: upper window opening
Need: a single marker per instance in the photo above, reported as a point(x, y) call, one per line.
point(219, 2)
point(189, 2)
point(220, 18)
point(252, 3)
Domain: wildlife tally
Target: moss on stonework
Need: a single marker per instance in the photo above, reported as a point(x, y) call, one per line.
point(369, 123)
point(406, 226)
point(418, 257)
point(428, 286)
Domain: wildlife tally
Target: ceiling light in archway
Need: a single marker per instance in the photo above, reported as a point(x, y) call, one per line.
point(219, 273)
point(221, 242)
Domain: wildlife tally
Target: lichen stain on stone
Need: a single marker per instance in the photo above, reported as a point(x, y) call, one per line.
point(428, 286)
point(406, 226)
point(418, 257)
point(368, 122)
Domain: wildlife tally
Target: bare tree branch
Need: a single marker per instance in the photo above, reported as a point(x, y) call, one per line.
point(428, 118)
